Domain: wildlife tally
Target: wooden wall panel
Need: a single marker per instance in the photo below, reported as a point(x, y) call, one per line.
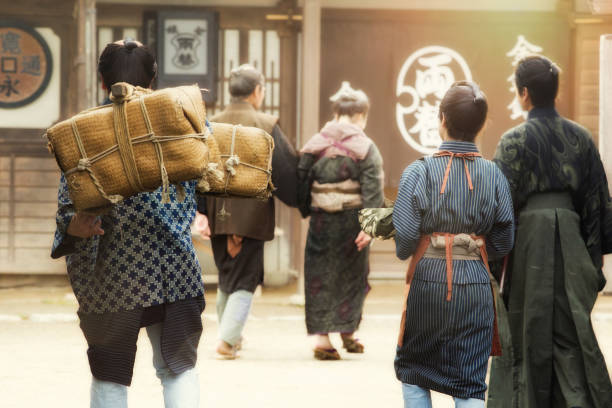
point(28, 202)
point(34, 178)
point(369, 48)
point(34, 240)
point(36, 194)
point(4, 208)
point(586, 79)
point(31, 224)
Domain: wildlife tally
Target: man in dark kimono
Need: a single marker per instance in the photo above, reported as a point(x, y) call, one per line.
point(240, 226)
point(551, 357)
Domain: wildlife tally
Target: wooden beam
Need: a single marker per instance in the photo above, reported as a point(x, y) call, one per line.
point(309, 104)
point(311, 65)
point(288, 80)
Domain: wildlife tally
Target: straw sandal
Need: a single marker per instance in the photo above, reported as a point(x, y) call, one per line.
point(326, 354)
point(352, 345)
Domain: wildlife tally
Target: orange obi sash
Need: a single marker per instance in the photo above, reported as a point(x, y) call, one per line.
point(450, 241)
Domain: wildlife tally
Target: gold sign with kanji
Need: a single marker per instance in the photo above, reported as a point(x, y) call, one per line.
point(25, 64)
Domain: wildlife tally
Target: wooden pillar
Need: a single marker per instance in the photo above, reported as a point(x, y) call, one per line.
point(309, 102)
point(289, 217)
point(605, 126)
point(288, 80)
point(91, 47)
point(311, 66)
point(84, 61)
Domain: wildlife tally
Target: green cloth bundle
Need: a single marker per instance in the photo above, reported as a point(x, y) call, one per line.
point(377, 222)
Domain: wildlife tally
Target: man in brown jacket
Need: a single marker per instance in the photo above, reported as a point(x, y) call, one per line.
point(239, 226)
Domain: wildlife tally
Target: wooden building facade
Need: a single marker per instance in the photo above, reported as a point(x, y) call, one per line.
point(399, 54)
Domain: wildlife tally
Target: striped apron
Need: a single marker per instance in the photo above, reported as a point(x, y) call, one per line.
point(443, 245)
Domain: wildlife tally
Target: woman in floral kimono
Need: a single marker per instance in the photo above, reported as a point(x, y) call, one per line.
point(340, 172)
point(551, 357)
point(453, 211)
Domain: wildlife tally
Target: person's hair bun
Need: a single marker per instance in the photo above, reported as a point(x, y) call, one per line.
point(464, 109)
point(348, 101)
point(554, 69)
point(130, 45)
point(348, 94)
point(479, 99)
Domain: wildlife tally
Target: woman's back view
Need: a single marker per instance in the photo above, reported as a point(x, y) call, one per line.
point(453, 210)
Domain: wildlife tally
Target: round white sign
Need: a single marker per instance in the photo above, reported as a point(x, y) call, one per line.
point(425, 77)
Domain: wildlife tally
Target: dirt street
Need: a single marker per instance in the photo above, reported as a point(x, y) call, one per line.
point(42, 352)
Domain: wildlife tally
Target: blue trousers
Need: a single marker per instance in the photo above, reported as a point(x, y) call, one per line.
point(417, 397)
point(233, 311)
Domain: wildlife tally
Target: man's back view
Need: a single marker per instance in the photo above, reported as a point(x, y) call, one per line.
point(240, 226)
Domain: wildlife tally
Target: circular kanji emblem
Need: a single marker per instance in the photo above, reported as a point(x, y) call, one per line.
point(25, 64)
point(421, 84)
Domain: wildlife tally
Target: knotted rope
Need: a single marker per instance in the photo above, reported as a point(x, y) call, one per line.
point(465, 156)
point(233, 160)
point(85, 165)
point(121, 94)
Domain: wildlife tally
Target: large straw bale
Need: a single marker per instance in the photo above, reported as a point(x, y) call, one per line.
point(245, 155)
point(106, 169)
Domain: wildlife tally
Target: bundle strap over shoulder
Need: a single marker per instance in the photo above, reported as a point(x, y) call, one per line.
point(465, 156)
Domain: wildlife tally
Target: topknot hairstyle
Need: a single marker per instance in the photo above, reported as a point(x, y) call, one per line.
point(464, 108)
point(127, 61)
point(348, 101)
point(541, 78)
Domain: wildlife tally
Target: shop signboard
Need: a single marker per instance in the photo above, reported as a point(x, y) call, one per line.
point(25, 64)
point(187, 48)
point(406, 61)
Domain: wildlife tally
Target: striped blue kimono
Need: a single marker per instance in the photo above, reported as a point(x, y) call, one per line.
point(446, 344)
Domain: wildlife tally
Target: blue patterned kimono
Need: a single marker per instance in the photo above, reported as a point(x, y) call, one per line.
point(446, 345)
point(144, 258)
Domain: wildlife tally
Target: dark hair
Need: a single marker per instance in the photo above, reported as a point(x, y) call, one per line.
point(348, 101)
point(243, 81)
point(350, 106)
point(464, 108)
point(541, 78)
point(128, 62)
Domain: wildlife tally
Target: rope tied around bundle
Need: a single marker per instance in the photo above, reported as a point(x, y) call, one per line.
point(233, 161)
point(84, 164)
point(156, 140)
point(121, 93)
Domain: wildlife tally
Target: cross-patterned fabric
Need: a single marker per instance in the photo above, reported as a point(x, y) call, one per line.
point(145, 257)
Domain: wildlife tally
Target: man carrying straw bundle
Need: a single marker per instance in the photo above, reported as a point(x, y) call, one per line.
point(132, 267)
point(240, 226)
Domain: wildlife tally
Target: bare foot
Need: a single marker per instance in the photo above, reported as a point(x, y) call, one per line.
point(323, 342)
point(226, 351)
